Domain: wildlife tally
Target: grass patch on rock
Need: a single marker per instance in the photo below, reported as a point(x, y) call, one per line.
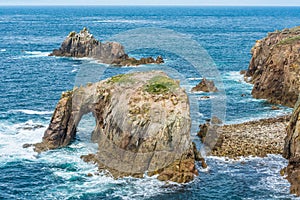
point(161, 85)
point(289, 40)
point(121, 78)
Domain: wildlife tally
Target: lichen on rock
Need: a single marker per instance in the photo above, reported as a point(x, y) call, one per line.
point(142, 126)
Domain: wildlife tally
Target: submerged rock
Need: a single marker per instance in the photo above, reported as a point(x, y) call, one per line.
point(142, 125)
point(205, 86)
point(83, 44)
point(292, 150)
point(274, 68)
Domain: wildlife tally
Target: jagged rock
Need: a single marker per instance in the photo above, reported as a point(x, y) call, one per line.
point(142, 125)
point(83, 44)
point(205, 86)
point(274, 68)
point(292, 150)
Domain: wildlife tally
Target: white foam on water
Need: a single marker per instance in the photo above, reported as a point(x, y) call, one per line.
point(12, 138)
point(74, 70)
point(235, 76)
point(195, 79)
point(36, 54)
point(32, 112)
point(2, 50)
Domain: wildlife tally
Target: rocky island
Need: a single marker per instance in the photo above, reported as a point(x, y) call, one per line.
point(83, 44)
point(142, 126)
point(275, 67)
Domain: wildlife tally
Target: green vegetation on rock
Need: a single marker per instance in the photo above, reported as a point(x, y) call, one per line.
point(289, 40)
point(121, 78)
point(161, 85)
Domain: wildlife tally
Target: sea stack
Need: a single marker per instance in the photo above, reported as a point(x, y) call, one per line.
point(83, 44)
point(292, 150)
point(275, 67)
point(142, 126)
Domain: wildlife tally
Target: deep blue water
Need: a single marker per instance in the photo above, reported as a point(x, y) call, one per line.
point(31, 84)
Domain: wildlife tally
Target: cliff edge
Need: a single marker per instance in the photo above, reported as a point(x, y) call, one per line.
point(274, 68)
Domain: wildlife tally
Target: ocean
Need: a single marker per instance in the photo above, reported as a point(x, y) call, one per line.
point(32, 82)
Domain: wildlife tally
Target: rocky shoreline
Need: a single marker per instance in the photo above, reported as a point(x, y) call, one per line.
point(253, 138)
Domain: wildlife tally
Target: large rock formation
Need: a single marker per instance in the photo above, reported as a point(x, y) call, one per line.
point(292, 150)
point(84, 44)
point(142, 125)
point(275, 67)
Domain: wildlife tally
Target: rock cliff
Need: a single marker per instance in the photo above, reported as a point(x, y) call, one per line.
point(142, 125)
point(292, 150)
point(83, 44)
point(275, 67)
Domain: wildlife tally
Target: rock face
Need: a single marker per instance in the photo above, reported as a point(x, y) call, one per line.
point(84, 44)
point(142, 125)
point(275, 67)
point(205, 86)
point(292, 150)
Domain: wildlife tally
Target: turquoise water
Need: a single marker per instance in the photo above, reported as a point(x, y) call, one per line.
point(31, 84)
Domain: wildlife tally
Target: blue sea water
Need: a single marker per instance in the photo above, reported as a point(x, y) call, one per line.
point(31, 84)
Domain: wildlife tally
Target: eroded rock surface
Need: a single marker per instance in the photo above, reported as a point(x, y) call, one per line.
point(292, 150)
point(83, 44)
point(275, 67)
point(142, 125)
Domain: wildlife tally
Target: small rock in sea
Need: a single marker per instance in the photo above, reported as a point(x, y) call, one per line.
point(205, 97)
point(26, 145)
point(89, 174)
point(205, 86)
point(242, 72)
point(275, 108)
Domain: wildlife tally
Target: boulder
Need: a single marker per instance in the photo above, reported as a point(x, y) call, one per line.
point(205, 86)
point(142, 125)
point(83, 44)
point(292, 150)
point(274, 68)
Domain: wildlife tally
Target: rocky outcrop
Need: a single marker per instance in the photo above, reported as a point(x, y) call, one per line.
point(83, 44)
point(205, 86)
point(142, 125)
point(275, 67)
point(292, 150)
